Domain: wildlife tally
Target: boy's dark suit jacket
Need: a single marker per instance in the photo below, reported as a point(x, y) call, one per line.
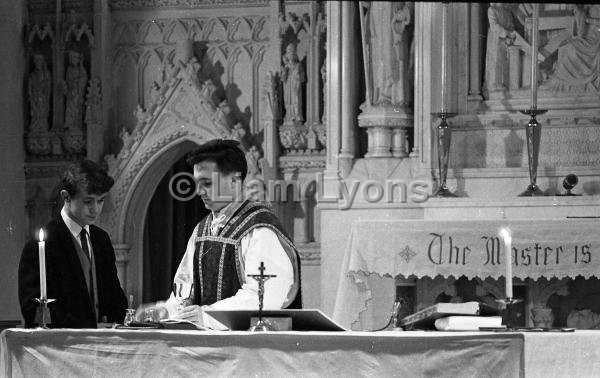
point(66, 282)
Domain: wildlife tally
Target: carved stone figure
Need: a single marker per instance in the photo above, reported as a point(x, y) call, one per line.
point(39, 88)
point(324, 78)
point(253, 159)
point(207, 90)
point(401, 19)
point(387, 51)
point(293, 77)
point(75, 83)
point(501, 34)
point(577, 66)
point(238, 132)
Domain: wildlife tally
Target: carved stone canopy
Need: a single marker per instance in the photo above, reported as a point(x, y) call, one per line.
point(181, 117)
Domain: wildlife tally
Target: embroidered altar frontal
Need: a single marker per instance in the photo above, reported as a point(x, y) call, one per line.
point(549, 248)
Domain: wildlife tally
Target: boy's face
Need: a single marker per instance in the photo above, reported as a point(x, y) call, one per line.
point(216, 192)
point(84, 208)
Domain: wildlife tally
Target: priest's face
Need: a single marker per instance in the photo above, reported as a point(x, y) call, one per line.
point(217, 189)
point(83, 208)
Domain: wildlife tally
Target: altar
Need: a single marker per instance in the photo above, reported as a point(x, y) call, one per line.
point(161, 353)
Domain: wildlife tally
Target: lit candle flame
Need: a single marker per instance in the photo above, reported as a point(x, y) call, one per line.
point(41, 234)
point(505, 233)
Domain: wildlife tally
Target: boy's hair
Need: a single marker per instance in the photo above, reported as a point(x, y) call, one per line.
point(226, 154)
point(85, 175)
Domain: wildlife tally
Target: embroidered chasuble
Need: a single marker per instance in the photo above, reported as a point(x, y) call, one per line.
point(218, 266)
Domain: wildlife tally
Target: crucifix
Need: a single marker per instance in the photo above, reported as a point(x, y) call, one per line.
point(261, 278)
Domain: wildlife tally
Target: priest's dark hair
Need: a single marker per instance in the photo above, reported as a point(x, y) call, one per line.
point(225, 153)
point(85, 175)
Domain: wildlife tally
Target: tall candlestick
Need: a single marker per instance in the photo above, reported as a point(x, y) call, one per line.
point(42, 256)
point(508, 261)
point(534, 53)
point(444, 53)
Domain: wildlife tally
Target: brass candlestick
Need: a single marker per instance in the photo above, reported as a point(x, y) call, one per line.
point(443, 137)
point(533, 132)
point(42, 314)
point(508, 311)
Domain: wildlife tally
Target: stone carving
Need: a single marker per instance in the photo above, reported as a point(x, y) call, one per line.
point(39, 144)
point(579, 56)
point(39, 88)
point(387, 49)
point(294, 23)
point(293, 77)
point(501, 34)
point(78, 31)
point(133, 4)
point(74, 86)
point(293, 137)
point(93, 113)
point(324, 78)
point(208, 88)
point(401, 19)
point(221, 114)
point(254, 160)
point(40, 33)
point(238, 132)
point(314, 163)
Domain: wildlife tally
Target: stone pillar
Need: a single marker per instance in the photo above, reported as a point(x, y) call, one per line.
point(122, 258)
point(514, 67)
point(348, 82)
point(333, 97)
point(399, 145)
point(475, 51)
point(13, 231)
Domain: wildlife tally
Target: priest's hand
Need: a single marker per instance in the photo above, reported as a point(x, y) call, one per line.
point(191, 313)
point(153, 312)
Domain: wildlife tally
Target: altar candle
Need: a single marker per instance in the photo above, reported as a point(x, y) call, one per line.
point(42, 255)
point(505, 234)
point(444, 53)
point(534, 54)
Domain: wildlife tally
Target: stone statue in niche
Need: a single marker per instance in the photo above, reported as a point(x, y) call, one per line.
point(75, 82)
point(387, 48)
point(39, 87)
point(501, 34)
point(577, 66)
point(293, 77)
point(401, 19)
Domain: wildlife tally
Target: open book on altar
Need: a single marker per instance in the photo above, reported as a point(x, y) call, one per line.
point(426, 317)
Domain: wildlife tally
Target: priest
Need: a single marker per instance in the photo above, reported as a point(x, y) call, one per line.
point(228, 245)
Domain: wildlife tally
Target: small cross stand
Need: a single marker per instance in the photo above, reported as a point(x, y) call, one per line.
point(261, 326)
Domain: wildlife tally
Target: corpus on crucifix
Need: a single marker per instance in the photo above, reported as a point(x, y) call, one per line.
point(261, 278)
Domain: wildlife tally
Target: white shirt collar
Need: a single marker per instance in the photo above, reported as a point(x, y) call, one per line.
point(73, 226)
